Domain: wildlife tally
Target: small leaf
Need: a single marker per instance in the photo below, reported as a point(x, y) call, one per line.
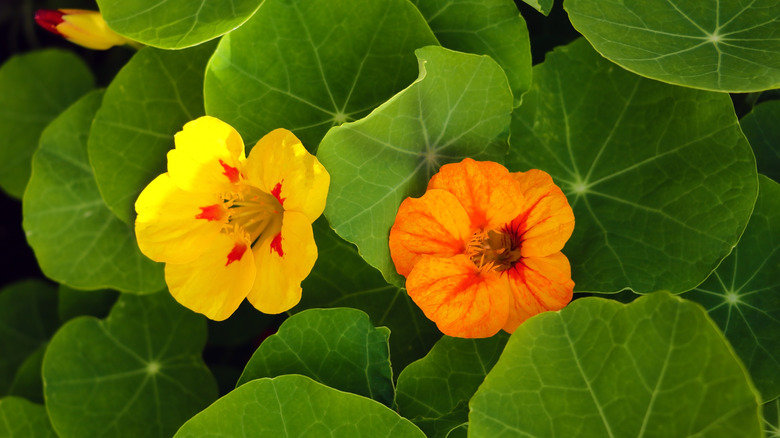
point(137, 373)
point(76, 238)
point(34, 89)
point(22, 418)
point(296, 406)
point(658, 367)
point(339, 348)
point(762, 130)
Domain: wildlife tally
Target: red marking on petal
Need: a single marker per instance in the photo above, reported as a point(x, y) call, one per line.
point(49, 19)
point(277, 192)
point(276, 245)
point(230, 172)
point(211, 213)
point(236, 253)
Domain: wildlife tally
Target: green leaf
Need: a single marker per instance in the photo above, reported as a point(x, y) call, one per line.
point(762, 130)
point(296, 406)
point(27, 319)
point(27, 382)
point(434, 391)
point(459, 107)
point(719, 45)
point(772, 419)
point(76, 238)
point(34, 89)
point(74, 302)
point(20, 418)
point(493, 27)
point(137, 373)
point(307, 65)
point(661, 178)
point(148, 101)
point(339, 348)
point(175, 24)
point(658, 367)
point(341, 278)
point(543, 6)
point(743, 295)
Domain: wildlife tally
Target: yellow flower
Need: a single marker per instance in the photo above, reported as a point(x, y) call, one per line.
point(82, 27)
point(230, 227)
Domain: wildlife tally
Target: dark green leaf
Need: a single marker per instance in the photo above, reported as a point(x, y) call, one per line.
point(27, 382)
point(20, 418)
point(772, 418)
point(74, 302)
point(762, 129)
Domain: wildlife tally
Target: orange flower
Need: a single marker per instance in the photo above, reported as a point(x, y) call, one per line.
point(481, 249)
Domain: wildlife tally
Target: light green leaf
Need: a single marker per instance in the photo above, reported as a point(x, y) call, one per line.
point(459, 107)
point(148, 101)
point(34, 89)
point(543, 6)
point(743, 295)
point(175, 24)
point(434, 391)
point(74, 302)
point(762, 130)
point(719, 45)
point(20, 418)
point(493, 27)
point(138, 373)
point(307, 65)
point(658, 367)
point(27, 319)
point(661, 178)
point(76, 238)
point(341, 278)
point(296, 406)
point(772, 418)
point(339, 348)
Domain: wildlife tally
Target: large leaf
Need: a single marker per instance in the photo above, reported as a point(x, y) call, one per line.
point(34, 89)
point(434, 391)
point(137, 373)
point(307, 65)
point(20, 418)
point(762, 129)
point(743, 294)
point(339, 348)
point(721, 45)
point(661, 179)
point(148, 101)
point(772, 418)
point(493, 27)
point(658, 367)
point(76, 238)
point(458, 107)
point(296, 406)
point(341, 278)
point(175, 24)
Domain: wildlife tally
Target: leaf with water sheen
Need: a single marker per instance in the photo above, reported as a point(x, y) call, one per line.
point(22, 418)
point(661, 178)
point(762, 129)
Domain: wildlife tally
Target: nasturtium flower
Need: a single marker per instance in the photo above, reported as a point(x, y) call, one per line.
point(481, 249)
point(82, 27)
point(230, 227)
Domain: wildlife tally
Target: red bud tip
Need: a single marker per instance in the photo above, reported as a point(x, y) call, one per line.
point(49, 19)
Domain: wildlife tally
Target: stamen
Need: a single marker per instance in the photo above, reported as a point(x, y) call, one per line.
point(493, 250)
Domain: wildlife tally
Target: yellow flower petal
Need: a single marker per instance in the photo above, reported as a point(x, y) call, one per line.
point(208, 157)
point(215, 283)
point(283, 261)
point(280, 165)
point(176, 226)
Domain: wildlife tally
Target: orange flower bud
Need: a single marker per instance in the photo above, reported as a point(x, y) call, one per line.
point(82, 27)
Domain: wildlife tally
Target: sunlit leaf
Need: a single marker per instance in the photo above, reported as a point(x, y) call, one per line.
point(762, 129)
point(543, 6)
point(22, 418)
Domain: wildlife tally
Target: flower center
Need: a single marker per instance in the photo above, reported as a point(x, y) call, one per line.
point(256, 213)
point(493, 250)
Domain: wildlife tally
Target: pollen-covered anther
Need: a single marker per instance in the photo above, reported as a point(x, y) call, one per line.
point(493, 250)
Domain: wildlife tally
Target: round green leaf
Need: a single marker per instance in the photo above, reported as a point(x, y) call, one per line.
point(743, 294)
point(175, 24)
point(661, 178)
point(148, 101)
point(720, 45)
point(493, 27)
point(341, 278)
point(772, 418)
point(20, 418)
point(307, 65)
point(658, 367)
point(296, 406)
point(138, 373)
point(762, 130)
point(339, 348)
point(434, 391)
point(34, 89)
point(76, 238)
point(458, 107)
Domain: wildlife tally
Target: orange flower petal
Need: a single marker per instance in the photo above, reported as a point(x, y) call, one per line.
point(434, 224)
point(538, 284)
point(215, 283)
point(547, 220)
point(486, 190)
point(461, 301)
